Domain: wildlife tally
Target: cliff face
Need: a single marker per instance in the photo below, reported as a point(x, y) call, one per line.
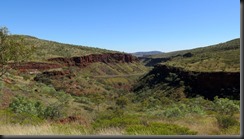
point(207, 84)
point(222, 84)
point(33, 66)
point(82, 61)
point(85, 60)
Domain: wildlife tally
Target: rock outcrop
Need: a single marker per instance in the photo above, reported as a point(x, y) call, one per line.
point(32, 66)
point(207, 84)
point(83, 61)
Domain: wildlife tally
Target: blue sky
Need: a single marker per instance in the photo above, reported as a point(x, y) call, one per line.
point(125, 25)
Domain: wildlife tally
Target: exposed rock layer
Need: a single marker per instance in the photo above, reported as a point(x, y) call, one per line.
point(207, 84)
point(32, 66)
point(85, 60)
point(81, 61)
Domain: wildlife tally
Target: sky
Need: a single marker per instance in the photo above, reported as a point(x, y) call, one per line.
point(125, 25)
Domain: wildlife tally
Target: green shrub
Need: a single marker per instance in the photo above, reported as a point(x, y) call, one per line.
point(24, 105)
point(181, 110)
point(111, 120)
point(174, 111)
point(88, 108)
point(43, 79)
point(198, 100)
point(158, 129)
point(197, 110)
point(232, 130)
point(63, 97)
point(26, 118)
point(55, 111)
point(226, 121)
point(122, 101)
point(226, 106)
point(8, 116)
point(83, 100)
point(48, 89)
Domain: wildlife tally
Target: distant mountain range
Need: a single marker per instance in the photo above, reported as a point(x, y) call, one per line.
point(141, 54)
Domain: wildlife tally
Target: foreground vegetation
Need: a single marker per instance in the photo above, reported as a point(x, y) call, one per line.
point(48, 110)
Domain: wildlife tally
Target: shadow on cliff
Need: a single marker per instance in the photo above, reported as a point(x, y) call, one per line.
point(207, 84)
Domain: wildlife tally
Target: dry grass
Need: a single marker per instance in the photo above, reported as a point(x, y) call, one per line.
point(15, 129)
point(203, 125)
point(47, 129)
point(110, 131)
point(44, 129)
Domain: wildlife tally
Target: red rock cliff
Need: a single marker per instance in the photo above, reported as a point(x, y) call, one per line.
point(83, 61)
point(207, 84)
point(32, 66)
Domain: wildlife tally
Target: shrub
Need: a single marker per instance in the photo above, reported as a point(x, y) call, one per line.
point(226, 121)
point(174, 111)
point(48, 89)
point(63, 97)
point(111, 120)
point(25, 118)
point(198, 104)
point(181, 110)
point(24, 105)
point(232, 130)
point(158, 129)
point(55, 111)
point(116, 122)
point(43, 79)
point(8, 116)
point(83, 100)
point(122, 101)
point(225, 106)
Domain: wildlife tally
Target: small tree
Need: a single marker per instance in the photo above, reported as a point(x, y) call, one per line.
point(12, 50)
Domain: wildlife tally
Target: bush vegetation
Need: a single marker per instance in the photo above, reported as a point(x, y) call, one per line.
point(34, 108)
point(159, 129)
point(99, 99)
point(218, 57)
point(45, 49)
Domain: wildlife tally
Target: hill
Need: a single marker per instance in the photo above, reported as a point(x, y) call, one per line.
point(207, 71)
point(219, 57)
point(76, 90)
point(45, 49)
point(72, 68)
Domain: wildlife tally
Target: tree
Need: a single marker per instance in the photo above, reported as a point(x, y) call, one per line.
point(12, 50)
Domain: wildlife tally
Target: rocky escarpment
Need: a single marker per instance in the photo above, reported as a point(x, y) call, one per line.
point(207, 84)
point(83, 61)
point(34, 66)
